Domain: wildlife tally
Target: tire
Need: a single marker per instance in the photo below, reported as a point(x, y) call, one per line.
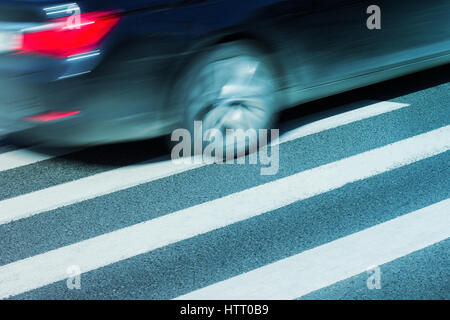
point(233, 86)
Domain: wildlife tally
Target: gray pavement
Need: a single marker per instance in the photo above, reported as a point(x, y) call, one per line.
point(207, 258)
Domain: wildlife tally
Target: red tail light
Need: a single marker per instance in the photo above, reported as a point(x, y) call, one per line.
point(51, 116)
point(68, 36)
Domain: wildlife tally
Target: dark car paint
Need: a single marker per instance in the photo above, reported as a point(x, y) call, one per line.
point(319, 47)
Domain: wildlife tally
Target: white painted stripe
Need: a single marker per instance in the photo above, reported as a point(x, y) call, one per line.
point(30, 204)
point(23, 157)
point(94, 253)
point(335, 261)
point(342, 119)
point(65, 194)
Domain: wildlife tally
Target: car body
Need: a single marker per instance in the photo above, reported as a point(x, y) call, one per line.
point(120, 85)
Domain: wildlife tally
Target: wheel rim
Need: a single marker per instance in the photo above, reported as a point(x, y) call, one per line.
point(234, 93)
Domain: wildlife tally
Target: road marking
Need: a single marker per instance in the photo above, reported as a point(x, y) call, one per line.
point(23, 157)
point(335, 261)
point(65, 194)
point(342, 119)
point(30, 204)
point(100, 251)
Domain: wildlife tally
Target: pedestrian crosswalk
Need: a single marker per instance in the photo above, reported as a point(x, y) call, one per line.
point(338, 260)
point(288, 278)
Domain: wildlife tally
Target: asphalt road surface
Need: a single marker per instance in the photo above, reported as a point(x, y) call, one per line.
point(359, 209)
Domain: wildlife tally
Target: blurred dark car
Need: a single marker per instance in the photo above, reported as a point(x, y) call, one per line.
point(97, 71)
